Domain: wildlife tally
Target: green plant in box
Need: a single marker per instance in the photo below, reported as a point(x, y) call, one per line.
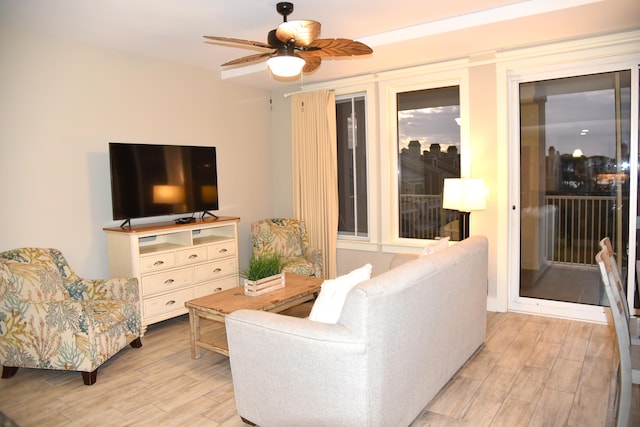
point(263, 266)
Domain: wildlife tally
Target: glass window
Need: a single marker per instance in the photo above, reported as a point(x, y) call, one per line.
point(352, 166)
point(428, 152)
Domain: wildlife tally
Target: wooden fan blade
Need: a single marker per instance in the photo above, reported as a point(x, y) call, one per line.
point(238, 41)
point(250, 58)
point(311, 61)
point(338, 47)
point(302, 32)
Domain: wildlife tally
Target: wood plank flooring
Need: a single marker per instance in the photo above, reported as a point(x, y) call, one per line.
point(532, 371)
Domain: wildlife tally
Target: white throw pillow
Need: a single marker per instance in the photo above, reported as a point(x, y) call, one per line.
point(439, 245)
point(333, 293)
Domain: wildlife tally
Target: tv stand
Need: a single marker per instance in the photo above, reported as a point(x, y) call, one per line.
point(185, 220)
point(204, 213)
point(125, 222)
point(175, 263)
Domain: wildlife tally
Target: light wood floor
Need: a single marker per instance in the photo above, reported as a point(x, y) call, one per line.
point(532, 371)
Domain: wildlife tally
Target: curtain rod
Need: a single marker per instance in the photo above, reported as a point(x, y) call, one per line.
point(288, 94)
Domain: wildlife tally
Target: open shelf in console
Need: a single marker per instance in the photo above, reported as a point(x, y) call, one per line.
point(164, 242)
point(213, 235)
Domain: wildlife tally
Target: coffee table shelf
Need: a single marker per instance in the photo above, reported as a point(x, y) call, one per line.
point(298, 290)
point(214, 339)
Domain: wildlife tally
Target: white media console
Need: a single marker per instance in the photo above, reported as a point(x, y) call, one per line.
point(175, 262)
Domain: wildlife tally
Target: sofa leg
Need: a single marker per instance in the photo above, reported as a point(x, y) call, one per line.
point(137, 343)
point(9, 371)
point(246, 421)
point(89, 378)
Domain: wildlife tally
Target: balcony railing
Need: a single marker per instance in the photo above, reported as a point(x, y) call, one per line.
point(578, 224)
point(573, 225)
point(422, 217)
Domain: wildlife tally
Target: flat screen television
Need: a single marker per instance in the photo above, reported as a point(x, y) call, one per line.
point(155, 180)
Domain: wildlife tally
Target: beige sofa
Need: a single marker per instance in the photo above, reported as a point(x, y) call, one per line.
point(401, 336)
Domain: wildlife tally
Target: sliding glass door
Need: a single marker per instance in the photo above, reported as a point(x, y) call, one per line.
point(575, 175)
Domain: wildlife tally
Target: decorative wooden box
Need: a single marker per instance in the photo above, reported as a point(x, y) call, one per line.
point(263, 286)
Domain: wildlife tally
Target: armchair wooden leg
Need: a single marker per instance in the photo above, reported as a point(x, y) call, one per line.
point(89, 378)
point(9, 371)
point(137, 343)
point(246, 421)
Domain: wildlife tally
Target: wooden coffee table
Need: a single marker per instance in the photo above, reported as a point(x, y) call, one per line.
point(297, 290)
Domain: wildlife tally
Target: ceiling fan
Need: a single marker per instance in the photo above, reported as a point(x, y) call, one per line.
point(293, 47)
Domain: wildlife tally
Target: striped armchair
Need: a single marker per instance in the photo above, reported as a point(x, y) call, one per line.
point(52, 319)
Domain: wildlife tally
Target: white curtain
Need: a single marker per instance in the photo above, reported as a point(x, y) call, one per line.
point(315, 171)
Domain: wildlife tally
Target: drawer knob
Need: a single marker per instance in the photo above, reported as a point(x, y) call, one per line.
point(169, 281)
point(157, 263)
point(170, 302)
point(223, 250)
point(217, 289)
point(193, 256)
point(217, 270)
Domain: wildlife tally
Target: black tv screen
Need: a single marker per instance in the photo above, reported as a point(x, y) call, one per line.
point(154, 180)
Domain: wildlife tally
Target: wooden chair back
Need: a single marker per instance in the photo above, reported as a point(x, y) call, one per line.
point(621, 324)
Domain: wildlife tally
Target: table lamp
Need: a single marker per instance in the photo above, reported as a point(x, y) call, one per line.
point(463, 195)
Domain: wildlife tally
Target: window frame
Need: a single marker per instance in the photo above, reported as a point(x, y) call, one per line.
point(346, 97)
point(454, 75)
point(382, 158)
point(369, 243)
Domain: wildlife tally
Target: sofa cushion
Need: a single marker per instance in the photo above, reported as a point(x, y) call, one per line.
point(298, 265)
point(438, 245)
point(399, 259)
point(328, 305)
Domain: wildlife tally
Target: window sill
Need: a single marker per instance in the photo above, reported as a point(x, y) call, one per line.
point(389, 248)
point(357, 245)
point(403, 248)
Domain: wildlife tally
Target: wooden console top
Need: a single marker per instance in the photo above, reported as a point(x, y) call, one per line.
point(137, 228)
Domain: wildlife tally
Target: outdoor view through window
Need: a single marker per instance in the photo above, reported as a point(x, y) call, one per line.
point(351, 128)
point(428, 152)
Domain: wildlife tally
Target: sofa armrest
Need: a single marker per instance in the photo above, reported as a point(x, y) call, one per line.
point(27, 324)
point(316, 370)
point(121, 289)
point(314, 256)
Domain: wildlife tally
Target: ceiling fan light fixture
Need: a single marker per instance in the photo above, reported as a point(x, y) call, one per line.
point(289, 38)
point(286, 65)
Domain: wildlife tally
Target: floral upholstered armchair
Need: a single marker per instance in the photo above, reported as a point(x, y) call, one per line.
point(52, 319)
point(288, 238)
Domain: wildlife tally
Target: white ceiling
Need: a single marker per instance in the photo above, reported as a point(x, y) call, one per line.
point(401, 32)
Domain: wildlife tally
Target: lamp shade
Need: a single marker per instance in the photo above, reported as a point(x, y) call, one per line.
point(463, 194)
point(286, 65)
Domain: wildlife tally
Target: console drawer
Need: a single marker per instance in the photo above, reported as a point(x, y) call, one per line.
point(191, 256)
point(164, 304)
point(217, 286)
point(162, 282)
point(157, 262)
point(217, 269)
point(221, 250)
